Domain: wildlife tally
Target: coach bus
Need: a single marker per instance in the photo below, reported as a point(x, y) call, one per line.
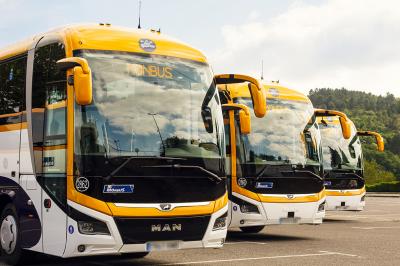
point(111, 142)
point(343, 160)
point(275, 169)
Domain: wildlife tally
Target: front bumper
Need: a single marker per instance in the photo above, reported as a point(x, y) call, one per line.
point(113, 244)
point(347, 203)
point(277, 213)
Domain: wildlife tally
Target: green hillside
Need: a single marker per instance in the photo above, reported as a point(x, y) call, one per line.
point(369, 112)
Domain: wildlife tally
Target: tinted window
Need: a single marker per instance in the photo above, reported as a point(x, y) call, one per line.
point(12, 89)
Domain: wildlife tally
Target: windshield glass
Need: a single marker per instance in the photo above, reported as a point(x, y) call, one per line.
point(288, 134)
point(149, 106)
point(338, 152)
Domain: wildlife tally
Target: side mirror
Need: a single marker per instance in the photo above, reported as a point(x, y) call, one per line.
point(81, 78)
point(256, 90)
point(344, 121)
point(378, 138)
point(244, 116)
point(346, 128)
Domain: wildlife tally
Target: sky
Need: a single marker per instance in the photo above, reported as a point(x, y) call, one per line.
point(305, 44)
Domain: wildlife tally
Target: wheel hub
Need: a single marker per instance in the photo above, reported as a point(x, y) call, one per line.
point(8, 234)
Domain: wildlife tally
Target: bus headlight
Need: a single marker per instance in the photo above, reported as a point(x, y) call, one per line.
point(246, 207)
point(220, 222)
point(321, 207)
point(93, 228)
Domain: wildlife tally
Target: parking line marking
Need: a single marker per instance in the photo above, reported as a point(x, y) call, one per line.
point(245, 242)
point(322, 253)
point(377, 227)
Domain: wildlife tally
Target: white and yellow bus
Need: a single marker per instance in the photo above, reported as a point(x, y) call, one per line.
point(343, 160)
point(111, 142)
point(276, 167)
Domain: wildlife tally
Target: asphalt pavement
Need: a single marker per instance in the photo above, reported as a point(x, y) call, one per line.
point(370, 237)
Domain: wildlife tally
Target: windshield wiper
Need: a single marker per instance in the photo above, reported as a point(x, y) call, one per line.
point(127, 160)
point(210, 174)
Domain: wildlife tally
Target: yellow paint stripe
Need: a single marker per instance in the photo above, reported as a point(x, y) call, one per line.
point(221, 202)
point(352, 192)
point(12, 127)
point(311, 198)
point(50, 148)
point(85, 200)
point(178, 211)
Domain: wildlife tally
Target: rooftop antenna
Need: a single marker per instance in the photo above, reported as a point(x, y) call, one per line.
point(262, 69)
point(140, 7)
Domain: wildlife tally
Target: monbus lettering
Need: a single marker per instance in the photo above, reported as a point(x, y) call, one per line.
point(150, 71)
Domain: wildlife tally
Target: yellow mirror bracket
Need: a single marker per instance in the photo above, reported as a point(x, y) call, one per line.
point(344, 121)
point(71, 62)
point(325, 112)
point(378, 138)
point(244, 116)
point(236, 106)
point(82, 78)
point(256, 90)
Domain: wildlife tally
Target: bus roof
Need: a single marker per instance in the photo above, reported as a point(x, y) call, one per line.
point(107, 37)
point(272, 91)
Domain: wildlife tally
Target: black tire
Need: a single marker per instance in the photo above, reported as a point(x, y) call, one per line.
point(13, 258)
point(252, 229)
point(136, 255)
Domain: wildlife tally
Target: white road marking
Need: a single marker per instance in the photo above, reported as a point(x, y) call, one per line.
point(322, 253)
point(377, 227)
point(245, 242)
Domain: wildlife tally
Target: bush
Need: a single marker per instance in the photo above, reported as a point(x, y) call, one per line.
point(393, 186)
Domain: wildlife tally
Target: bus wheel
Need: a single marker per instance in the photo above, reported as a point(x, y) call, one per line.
point(9, 236)
point(252, 229)
point(136, 255)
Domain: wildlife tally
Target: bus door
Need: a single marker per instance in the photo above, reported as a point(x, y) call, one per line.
point(49, 143)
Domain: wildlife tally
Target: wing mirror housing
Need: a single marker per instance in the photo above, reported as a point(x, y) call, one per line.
point(244, 116)
point(81, 78)
point(256, 90)
point(344, 121)
point(378, 138)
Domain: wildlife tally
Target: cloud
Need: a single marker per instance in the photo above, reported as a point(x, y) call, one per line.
point(340, 43)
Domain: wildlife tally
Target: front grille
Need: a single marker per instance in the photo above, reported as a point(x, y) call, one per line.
point(142, 230)
point(344, 183)
point(287, 185)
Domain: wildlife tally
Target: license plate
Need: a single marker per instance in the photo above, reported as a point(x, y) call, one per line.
point(162, 245)
point(292, 220)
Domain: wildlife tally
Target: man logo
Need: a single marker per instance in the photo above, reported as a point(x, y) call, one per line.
point(166, 227)
point(165, 207)
point(82, 184)
point(290, 196)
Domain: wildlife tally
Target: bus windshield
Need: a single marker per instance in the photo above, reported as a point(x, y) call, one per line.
point(148, 106)
point(338, 152)
point(288, 134)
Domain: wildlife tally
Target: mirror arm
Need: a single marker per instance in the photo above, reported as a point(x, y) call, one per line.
point(71, 62)
point(235, 106)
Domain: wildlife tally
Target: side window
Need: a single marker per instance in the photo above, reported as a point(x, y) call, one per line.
point(12, 91)
point(49, 120)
